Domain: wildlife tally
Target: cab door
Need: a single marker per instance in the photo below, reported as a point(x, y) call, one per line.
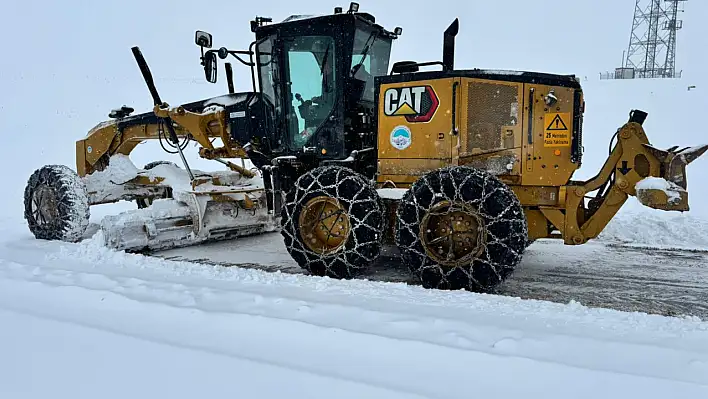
point(313, 99)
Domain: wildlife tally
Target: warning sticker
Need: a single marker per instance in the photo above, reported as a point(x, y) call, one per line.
point(556, 132)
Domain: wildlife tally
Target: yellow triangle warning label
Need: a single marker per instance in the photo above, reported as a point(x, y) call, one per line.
point(557, 124)
point(557, 133)
point(405, 109)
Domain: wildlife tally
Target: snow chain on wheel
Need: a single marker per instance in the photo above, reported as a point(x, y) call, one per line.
point(461, 228)
point(332, 222)
point(56, 204)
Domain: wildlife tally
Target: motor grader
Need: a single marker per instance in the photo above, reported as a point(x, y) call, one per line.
point(454, 171)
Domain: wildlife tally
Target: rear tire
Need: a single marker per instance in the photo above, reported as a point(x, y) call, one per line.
point(332, 222)
point(461, 228)
point(56, 204)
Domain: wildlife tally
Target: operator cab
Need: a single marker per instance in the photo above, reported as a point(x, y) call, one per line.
point(315, 97)
point(318, 72)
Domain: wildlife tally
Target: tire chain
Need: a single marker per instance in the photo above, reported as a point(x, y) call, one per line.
point(362, 207)
point(498, 206)
point(72, 203)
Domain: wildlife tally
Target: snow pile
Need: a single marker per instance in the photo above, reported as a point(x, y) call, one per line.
point(173, 176)
point(645, 227)
point(159, 209)
point(108, 183)
point(178, 179)
point(120, 169)
point(672, 190)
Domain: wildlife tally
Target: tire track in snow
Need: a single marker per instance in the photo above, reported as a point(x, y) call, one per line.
point(648, 359)
point(79, 359)
point(665, 282)
point(626, 278)
point(160, 323)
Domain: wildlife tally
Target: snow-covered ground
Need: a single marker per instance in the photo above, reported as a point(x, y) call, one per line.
point(84, 322)
point(657, 229)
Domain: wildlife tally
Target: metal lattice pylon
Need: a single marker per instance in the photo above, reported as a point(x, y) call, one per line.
point(652, 44)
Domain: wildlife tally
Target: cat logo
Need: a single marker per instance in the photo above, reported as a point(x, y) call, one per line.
point(416, 104)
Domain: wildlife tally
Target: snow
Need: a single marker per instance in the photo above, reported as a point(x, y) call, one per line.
point(159, 209)
point(224, 101)
point(657, 229)
point(694, 149)
point(499, 72)
point(163, 370)
point(174, 177)
point(120, 170)
point(294, 18)
point(81, 321)
point(176, 326)
point(212, 109)
point(100, 126)
point(392, 193)
point(672, 190)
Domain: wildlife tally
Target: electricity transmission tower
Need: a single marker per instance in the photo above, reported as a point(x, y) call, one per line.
point(652, 44)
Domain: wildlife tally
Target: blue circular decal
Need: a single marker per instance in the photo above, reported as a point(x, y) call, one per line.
point(401, 137)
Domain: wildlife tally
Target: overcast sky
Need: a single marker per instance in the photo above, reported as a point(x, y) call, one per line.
point(75, 55)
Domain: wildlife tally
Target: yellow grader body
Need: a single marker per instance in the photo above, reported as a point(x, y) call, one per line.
point(457, 170)
point(529, 136)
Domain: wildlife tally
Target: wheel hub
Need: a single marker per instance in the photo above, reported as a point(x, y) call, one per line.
point(324, 225)
point(452, 233)
point(44, 205)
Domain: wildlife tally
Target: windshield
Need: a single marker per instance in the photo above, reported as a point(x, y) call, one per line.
point(311, 78)
point(268, 69)
point(375, 51)
point(268, 72)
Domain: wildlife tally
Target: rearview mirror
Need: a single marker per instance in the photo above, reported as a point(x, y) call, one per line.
point(202, 39)
point(209, 62)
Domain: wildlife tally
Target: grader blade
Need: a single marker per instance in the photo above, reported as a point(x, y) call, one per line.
point(195, 218)
point(147, 229)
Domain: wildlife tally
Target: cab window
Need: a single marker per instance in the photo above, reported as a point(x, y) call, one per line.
point(311, 79)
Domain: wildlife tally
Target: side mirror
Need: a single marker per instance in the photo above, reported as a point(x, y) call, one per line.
point(209, 62)
point(202, 39)
point(405, 67)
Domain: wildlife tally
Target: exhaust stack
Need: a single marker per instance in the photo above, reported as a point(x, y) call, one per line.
point(449, 45)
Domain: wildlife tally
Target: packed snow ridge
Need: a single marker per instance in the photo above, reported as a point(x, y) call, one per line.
point(644, 227)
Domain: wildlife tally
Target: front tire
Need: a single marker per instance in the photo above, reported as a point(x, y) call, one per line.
point(332, 222)
point(56, 204)
point(461, 228)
